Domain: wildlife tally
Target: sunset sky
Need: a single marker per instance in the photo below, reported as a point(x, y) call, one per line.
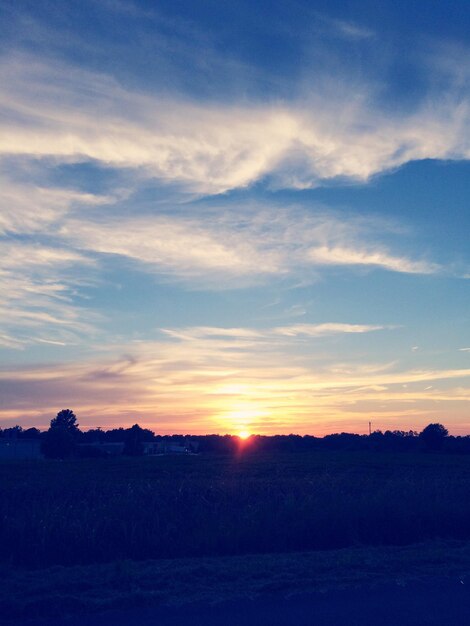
point(235, 216)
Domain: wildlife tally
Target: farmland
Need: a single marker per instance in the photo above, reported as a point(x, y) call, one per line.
point(89, 511)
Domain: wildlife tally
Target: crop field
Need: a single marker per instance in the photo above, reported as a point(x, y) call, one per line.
point(101, 510)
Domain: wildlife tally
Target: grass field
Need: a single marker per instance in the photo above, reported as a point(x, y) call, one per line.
point(67, 591)
point(97, 511)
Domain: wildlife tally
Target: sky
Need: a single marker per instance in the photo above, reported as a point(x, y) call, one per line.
point(251, 216)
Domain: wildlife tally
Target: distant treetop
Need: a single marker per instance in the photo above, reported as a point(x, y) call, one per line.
point(433, 436)
point(65, 419)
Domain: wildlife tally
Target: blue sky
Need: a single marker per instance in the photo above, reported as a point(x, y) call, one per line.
point(218, 217)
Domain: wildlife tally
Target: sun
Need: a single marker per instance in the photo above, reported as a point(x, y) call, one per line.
point(244, 434)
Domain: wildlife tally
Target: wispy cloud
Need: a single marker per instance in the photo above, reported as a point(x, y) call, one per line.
point(241, 246)
point(26, 208)
point(336, 255)
point(252, 334)
point(7, 341)
point(320, 330)
point(37, 294)
point(204, 379)
point(213, 147)
point(56, 239)
point(345, 29)
point(354, 31)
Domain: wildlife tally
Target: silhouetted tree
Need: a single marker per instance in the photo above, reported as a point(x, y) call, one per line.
point(13, 432)
point(65, 419)
point(94, 435)
point(30, 433)
point(133, 441)
point(115, 435)
point(60, 441)
point(432, 437)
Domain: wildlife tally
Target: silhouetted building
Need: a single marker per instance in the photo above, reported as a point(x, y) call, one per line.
point(103, 448)
point(185, 446)
point(20, 449)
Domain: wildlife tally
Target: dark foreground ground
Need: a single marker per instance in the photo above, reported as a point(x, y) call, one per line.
point(90, 511)
point(433, 603)
point(334, 538)
point(425, 584)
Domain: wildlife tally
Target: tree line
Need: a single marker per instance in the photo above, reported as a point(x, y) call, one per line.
point(64, 439)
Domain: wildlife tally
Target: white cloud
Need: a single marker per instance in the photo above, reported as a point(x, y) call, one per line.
point(213, 249)
point(26, 208)
point(345, 29)
point(7, 341)
point(186, 247)
point(252, 334)
point(223, 249)
point(320, 330)
point(336, 255)
point(37, 294)
point(351, 30)
point(213, 147)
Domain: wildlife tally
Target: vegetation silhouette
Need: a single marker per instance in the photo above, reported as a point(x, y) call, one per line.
point(263, 494)
point(433, 437)
point(80, 511)
point(64, 440)
point(60, 441)
point(134, 439)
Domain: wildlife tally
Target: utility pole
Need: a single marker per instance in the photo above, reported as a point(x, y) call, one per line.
point(370, 428)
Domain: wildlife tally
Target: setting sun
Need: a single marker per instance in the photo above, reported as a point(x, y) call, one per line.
point(243, 434)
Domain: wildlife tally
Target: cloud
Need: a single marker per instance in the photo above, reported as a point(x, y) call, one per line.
point(26, 208)
point(215, 146)
point(206, 379)
point(377, 258)
point(183, 246)
point(57, 240)
point(252, 334)
point(345, 29)
point(351, 30)
point(7, 341)
point(223, 249)
point(37, 286)
point(294, 128)
point(320, 330)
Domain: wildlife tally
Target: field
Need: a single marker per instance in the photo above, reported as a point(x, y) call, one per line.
point(186, 587)
point(82, 512)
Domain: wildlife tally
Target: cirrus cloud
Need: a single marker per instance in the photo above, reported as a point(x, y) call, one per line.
point(242, 246)
point(54, 110)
